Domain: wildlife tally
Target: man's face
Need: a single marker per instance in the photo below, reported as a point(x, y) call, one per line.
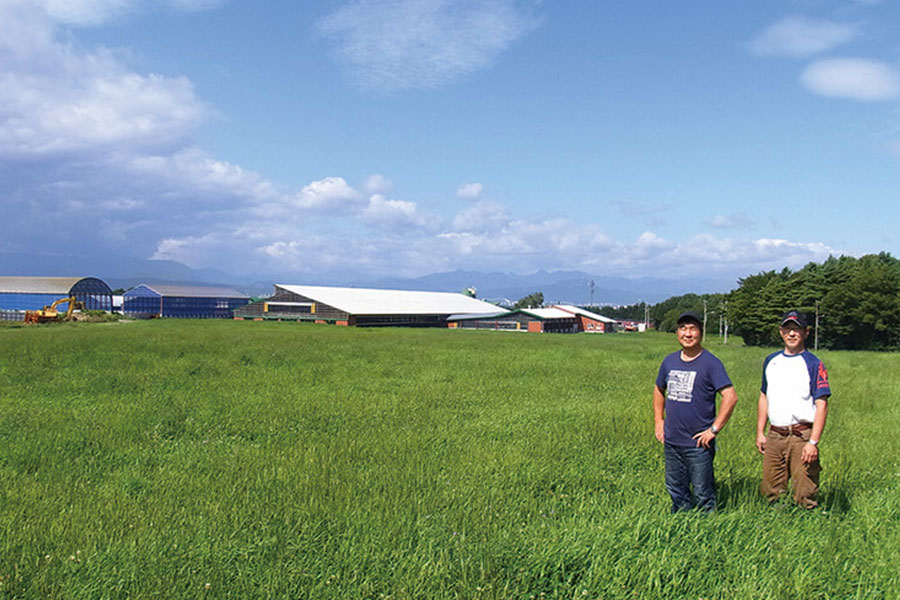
point(689, 335)
point(794, 336)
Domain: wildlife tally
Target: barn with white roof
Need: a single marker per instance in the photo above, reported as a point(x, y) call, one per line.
point(535, 320)
point(588, 321)
point(363, 307)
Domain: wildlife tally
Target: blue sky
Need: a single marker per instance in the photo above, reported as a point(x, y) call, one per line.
point(406, 137)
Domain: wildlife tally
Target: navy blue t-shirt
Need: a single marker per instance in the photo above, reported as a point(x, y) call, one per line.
point(690, 388)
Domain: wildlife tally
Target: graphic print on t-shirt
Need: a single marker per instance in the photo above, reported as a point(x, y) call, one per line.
point(680, 385)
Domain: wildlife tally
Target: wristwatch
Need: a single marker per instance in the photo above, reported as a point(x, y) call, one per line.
point(714, 429)
point(813, 442)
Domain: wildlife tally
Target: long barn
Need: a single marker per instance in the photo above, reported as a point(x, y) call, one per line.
point(18, 294)
point(182, 301)
point(363, 307)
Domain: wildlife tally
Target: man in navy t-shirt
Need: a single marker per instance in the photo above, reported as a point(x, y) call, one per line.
point(684, 408)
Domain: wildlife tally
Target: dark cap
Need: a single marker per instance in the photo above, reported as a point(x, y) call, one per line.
point(797, 317)
point(690, 316)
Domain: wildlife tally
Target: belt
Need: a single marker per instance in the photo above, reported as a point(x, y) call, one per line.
point(794, 429)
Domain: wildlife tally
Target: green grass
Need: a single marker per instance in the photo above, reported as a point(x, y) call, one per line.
point(280, 460)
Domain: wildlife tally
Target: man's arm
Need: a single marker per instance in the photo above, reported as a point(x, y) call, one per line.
point(659, 407)
point(729, 400)
point(810, 450)
point(762, 415)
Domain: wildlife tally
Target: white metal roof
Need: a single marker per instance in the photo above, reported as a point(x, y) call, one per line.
point(467, 316)
point(586, 313)
point(548, 313)
point(362, 301)
point(38, 285)
point(193, 291)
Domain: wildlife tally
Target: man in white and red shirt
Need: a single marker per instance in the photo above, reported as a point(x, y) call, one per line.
point(794, 400)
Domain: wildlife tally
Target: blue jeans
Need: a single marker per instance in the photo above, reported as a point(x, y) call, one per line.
point(691, 467)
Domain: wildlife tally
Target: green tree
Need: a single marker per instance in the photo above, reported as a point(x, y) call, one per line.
point(535, 300)
point(864, 312)
point(858, 302)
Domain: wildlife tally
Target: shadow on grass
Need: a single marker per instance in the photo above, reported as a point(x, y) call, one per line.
point(738, 492)
point(742, 492)
point(834, 499)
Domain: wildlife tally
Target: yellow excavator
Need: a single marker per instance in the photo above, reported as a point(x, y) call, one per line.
point(49, 313)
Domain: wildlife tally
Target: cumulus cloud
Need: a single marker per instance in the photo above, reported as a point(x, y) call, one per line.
point(399, 44)
point(390, 214)
point(377, 183)
point(853, 78)
point(481, 216)
point(652, 215)
point(194, 170)
point(734, 221)
point(56, 100)
point(801, 37)
point(94, 12)
point(327, 195)
point(893, 146)
point(102, 158)
point(469, 190)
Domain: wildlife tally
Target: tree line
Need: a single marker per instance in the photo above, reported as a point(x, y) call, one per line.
point(852, 304)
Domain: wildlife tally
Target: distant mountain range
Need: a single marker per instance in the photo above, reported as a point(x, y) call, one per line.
point(557, 286)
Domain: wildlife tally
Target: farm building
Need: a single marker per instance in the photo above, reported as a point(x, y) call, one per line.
point(363, 307)
point(548, 320)
point(589, 321)
point(33, 293)
point(182, 301)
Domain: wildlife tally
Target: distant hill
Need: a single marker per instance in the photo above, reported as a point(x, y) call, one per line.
point(557, 286)
point(117, 271)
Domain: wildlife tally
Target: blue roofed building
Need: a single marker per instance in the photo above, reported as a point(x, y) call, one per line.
point(18, 294)
point(182, 301)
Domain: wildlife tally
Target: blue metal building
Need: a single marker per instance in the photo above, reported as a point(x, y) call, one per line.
point(33, 293)
point(182, 301)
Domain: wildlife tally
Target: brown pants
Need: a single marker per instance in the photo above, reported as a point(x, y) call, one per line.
point(782, 462)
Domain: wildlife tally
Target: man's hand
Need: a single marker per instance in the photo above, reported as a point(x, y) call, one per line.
point(659, 431)
point(704, 438)
point(761, 442)
point(810, 453)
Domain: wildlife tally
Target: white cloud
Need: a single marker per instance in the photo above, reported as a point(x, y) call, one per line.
point(192, 170)
point(100, 157)
point(483, 215)
point(853, 78)
point(95, 12)
point(85, 12)
point(800, 37)
point(893, 146)
point(390, 214)
point(733, 221)
point(469, 190)
point(652, 215)
point(399, 44)
point(377, 184)
point(55, 99)
point(326, 195)
point(194, 251)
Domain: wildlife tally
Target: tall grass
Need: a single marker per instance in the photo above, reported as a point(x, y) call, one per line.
point(184, 459)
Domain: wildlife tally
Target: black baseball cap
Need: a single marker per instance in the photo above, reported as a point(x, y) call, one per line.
point(797, 317)
point(690, 315)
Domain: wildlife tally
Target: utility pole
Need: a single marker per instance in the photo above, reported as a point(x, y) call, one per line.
point(817, 327)
point(646, 317)
point(591, 285)
point(725, 315)
point(704, 315)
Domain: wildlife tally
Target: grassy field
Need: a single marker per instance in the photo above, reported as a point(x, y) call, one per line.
point(209, 459)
